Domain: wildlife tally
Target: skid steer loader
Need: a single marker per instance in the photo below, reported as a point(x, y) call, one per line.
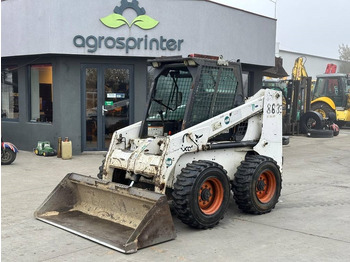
point(199, 139)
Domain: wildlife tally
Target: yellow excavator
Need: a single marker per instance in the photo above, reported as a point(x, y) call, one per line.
point(331, 97)
point(299, 70)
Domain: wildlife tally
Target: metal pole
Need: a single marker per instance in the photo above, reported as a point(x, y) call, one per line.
point(275, 2)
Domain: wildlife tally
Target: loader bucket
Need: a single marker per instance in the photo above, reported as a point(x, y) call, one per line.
point(117, 216)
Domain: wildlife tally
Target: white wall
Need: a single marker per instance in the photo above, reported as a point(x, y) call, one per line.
point(314, 65)
point(49, 26)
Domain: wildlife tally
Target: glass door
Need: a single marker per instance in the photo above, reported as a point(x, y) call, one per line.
point(106, 91)
point(115, 108)
point(90, 108)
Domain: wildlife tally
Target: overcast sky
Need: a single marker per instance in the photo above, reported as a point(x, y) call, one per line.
point(315, 27)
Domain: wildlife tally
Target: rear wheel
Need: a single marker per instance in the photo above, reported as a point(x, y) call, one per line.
point(257, 184)
point(7, 156)
point(324, 109)
point(201, 194)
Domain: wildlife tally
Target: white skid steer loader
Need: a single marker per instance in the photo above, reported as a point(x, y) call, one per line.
point(199, 140)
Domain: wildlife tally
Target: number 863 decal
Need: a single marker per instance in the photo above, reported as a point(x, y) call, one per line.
point(274, 109)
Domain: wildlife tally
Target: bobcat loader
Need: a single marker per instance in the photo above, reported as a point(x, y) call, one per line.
point(199, 139)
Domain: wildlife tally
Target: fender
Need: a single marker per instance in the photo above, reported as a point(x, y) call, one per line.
point(9, 145)
point(326, 100)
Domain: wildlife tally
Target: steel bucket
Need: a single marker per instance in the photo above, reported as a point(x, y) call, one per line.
point(117, 216)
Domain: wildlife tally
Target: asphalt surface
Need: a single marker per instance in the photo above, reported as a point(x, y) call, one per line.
point(310, 223)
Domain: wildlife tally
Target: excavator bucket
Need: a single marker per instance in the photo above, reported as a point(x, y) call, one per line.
point(117, 216)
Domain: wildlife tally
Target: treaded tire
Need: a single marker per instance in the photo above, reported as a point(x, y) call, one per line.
point(324, 109)
point(7, 156)
point(311, 120)
point(257, 184)
point(320, 133)
point(100, 169)
point(201, 194)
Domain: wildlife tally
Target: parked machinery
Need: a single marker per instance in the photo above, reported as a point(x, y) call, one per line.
point(331, 97)
point(8, 152)
point(296, 97)
point(198, 140)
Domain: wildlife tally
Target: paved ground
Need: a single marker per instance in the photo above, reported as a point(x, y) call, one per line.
point(311, 223)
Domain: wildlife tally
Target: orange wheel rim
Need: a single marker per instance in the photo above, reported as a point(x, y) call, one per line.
point(266, 186)
point(210, 196)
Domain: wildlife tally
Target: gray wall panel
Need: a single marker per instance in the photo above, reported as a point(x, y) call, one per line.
point(47, 26)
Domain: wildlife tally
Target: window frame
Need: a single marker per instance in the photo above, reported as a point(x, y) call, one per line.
point(13, 67)
point(29, 99)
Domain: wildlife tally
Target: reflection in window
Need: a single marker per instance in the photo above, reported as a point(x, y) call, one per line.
point(41, 91)
point(215, 93)
point(9, 92)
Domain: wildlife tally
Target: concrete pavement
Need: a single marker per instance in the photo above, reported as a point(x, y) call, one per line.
point(311, 223)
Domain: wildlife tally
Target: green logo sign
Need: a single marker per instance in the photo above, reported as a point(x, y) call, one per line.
point(119, 42)
point(117, 19)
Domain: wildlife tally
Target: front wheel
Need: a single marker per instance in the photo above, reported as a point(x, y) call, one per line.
point(257, 184)
point(201, 194)
point(7, 156)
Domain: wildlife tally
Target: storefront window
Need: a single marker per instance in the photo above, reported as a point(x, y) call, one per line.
point(9, 92)
point(41, 91)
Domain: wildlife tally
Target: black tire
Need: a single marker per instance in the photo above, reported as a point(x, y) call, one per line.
point(201, 194)
point(311, 120)
point(320, 133)
point(257, 184)
point(324, 109)
point(100, 169)
point(7, 156)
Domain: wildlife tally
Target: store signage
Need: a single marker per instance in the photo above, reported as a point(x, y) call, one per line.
point(116, 20)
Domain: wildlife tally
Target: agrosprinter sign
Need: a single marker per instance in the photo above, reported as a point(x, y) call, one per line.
point(116, 20)
point(110, 42)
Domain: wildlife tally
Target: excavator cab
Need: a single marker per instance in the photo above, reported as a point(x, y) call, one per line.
point(332, 86)
point(331, 97)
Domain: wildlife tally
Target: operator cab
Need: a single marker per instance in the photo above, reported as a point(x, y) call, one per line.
point(334, 86)
point(187, 91)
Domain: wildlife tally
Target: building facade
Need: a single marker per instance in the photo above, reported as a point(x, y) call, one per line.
point(65, 63)
point(314, 65)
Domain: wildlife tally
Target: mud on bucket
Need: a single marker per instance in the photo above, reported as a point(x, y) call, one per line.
point(117, 216)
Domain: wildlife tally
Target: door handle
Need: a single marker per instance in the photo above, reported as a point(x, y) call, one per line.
point(104, 110)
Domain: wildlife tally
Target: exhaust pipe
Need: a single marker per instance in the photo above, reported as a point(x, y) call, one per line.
point(114, 215)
